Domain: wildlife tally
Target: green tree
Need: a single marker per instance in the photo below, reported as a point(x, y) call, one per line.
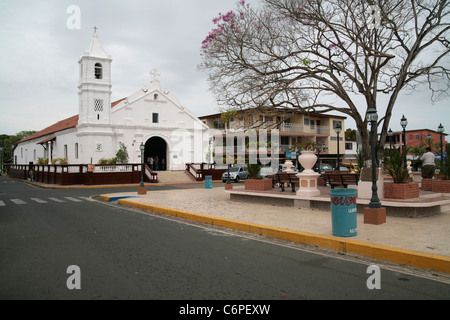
point(8, 143)
point(122, 154)
point(350, 134)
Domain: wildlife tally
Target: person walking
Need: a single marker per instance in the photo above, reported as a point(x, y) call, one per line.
point(428, 166)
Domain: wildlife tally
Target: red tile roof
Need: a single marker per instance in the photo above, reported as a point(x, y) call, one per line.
point(59, 126)
point(117, 102)
point(68, 123)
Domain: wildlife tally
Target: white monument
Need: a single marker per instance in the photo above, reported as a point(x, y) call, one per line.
point(308, 178)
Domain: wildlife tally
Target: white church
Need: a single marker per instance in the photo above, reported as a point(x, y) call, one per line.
point(152, 116)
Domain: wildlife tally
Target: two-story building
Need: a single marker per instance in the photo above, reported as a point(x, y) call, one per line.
point(292, 127)
point(415, 138)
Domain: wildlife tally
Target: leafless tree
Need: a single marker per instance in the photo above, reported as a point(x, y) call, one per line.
point(325, 55)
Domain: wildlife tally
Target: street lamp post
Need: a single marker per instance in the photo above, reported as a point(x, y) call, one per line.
point(338, 130)
point(390, 134)
point(404, 123)
point(142, 189)
point(372, 118)
point(374, 213)
point(441, 131)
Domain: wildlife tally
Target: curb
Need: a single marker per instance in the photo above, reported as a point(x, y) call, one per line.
point(380, 252)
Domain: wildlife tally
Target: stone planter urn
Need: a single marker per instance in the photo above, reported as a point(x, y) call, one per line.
point(308, 178)
point(289, 165)
point(307, 159)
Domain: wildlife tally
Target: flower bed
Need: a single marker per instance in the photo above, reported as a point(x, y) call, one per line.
point(442, 186)
point(401, 190)
point(258, 185)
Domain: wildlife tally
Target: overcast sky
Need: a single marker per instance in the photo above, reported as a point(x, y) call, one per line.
point(39, 58)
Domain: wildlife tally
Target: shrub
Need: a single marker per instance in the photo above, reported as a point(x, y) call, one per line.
point(61, 161)
point(395, 165)
point(444, 169)
point(42, 161)
point(122, 154)
point(253, 171)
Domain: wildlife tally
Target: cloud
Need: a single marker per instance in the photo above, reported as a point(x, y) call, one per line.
point(39, 78)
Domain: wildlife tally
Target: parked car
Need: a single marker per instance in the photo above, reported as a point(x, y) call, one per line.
point(293, 168)
point(265, 171)
point(324, 167)
point(352, 167)
point(236, 174)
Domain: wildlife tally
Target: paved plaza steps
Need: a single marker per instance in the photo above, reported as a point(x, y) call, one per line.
point(173, 177)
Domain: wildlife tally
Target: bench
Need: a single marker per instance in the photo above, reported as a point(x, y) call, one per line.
point(340, 178)
point(284, 177)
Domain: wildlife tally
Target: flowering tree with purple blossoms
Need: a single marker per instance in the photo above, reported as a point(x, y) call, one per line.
point(329, 55)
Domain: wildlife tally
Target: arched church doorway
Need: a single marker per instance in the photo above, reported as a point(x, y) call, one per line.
point(156, 153)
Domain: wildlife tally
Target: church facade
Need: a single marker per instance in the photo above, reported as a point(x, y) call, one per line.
point(152, 117)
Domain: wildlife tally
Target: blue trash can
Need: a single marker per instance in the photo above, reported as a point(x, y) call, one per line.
point(208, 182)
point(343, 212)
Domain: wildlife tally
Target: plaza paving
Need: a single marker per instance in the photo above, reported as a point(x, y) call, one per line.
point(426, 234)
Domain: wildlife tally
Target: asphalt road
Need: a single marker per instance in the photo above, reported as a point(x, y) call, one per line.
point(126, 254)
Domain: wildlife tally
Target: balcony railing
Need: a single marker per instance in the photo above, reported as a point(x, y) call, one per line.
point(294, 127)
point(284, 127)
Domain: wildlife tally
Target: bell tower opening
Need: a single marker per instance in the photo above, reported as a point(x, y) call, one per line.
point(98, 71)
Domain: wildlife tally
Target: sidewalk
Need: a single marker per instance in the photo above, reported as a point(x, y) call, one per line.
point(421, 242)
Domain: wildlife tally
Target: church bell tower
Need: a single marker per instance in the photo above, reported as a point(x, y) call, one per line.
point(94, 87)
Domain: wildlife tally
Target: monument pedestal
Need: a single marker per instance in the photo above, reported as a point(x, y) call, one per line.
point(308, 184)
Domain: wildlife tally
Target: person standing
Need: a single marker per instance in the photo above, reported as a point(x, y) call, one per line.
point(428, 166)
point(151, 163)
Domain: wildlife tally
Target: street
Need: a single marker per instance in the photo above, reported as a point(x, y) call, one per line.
point(127, 254)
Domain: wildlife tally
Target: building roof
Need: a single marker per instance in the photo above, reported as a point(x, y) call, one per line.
point(59, 126)
point(95, 49)
point(116, 102)
point(217, 115)
point(65, 124)
point(424, 130)
point(418, 130)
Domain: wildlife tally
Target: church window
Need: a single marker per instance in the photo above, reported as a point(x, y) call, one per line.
point(76, 150)
point(99, 147)
point(155, 117)
point(98, 71)
point(155, 96)
point(98, 105)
